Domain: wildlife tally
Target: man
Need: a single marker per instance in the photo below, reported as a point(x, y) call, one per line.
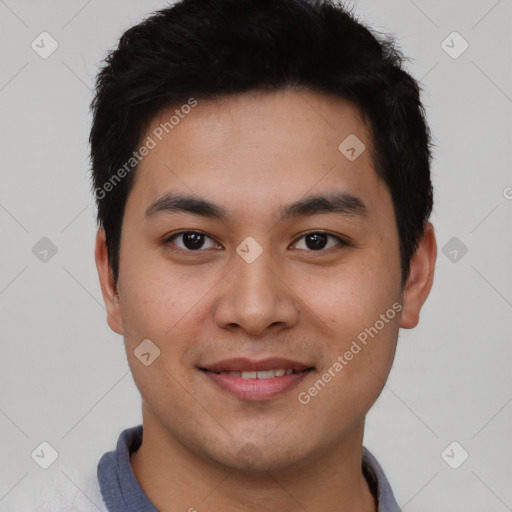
point(262, 176)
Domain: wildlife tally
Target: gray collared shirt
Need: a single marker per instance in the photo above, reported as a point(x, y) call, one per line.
point(122, 493)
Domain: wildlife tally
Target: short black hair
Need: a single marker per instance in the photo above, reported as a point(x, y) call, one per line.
point(206, 49)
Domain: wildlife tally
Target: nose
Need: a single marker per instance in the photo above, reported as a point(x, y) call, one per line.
point(255, 298)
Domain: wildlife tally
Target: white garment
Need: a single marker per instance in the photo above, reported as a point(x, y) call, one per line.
point(56, 492)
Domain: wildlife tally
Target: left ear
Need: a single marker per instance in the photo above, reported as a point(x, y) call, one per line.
point(421, 278)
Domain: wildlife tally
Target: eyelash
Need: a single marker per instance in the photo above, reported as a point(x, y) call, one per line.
point(341, 241)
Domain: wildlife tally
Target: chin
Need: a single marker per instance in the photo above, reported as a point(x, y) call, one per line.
point(260, 457)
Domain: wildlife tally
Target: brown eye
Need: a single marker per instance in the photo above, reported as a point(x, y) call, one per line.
point(318, 241)
point(191, 241)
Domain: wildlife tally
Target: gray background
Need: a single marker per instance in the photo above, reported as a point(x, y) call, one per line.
point(64, 378)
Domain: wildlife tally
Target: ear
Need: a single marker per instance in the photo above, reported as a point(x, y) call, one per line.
point(421, 278)
point(108, 286)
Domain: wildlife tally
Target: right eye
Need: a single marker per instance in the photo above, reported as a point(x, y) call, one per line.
point(190, 241)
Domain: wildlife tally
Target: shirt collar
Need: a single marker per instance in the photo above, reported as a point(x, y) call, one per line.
point(121, 491)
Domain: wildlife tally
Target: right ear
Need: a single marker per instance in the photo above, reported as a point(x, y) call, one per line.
point(108, 286)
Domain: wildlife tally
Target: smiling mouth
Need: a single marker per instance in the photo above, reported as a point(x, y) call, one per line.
point(263, 374)
point(256, 380)
point(257, 385)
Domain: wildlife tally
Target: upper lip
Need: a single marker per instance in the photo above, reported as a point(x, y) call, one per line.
point(242, 364)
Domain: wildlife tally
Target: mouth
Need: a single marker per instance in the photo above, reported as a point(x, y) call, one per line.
point(263, 374)
point(256, 380)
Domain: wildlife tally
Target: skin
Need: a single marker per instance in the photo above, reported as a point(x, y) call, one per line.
point(253, 153)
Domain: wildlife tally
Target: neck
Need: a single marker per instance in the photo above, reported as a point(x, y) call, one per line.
point(176, 479)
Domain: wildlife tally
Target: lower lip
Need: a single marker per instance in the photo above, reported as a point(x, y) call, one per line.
point(256, 389)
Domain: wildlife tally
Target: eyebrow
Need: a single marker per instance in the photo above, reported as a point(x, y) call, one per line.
point(340, 203)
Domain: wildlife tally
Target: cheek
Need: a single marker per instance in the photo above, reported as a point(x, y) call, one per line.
point(354, 374)
point(360, 308)
point(352, 297)
point(156, 298)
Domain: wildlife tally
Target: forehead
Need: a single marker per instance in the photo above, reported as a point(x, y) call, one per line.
point(255, 149)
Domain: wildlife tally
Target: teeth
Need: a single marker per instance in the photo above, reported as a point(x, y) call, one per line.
point(268, 374)
point(264, 374)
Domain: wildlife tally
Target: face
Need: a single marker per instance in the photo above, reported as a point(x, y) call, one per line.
point(252, 243)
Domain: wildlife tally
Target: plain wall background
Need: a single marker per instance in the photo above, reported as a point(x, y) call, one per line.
point(64, 377)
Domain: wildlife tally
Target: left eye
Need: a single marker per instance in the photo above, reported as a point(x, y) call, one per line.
point(317, 241)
